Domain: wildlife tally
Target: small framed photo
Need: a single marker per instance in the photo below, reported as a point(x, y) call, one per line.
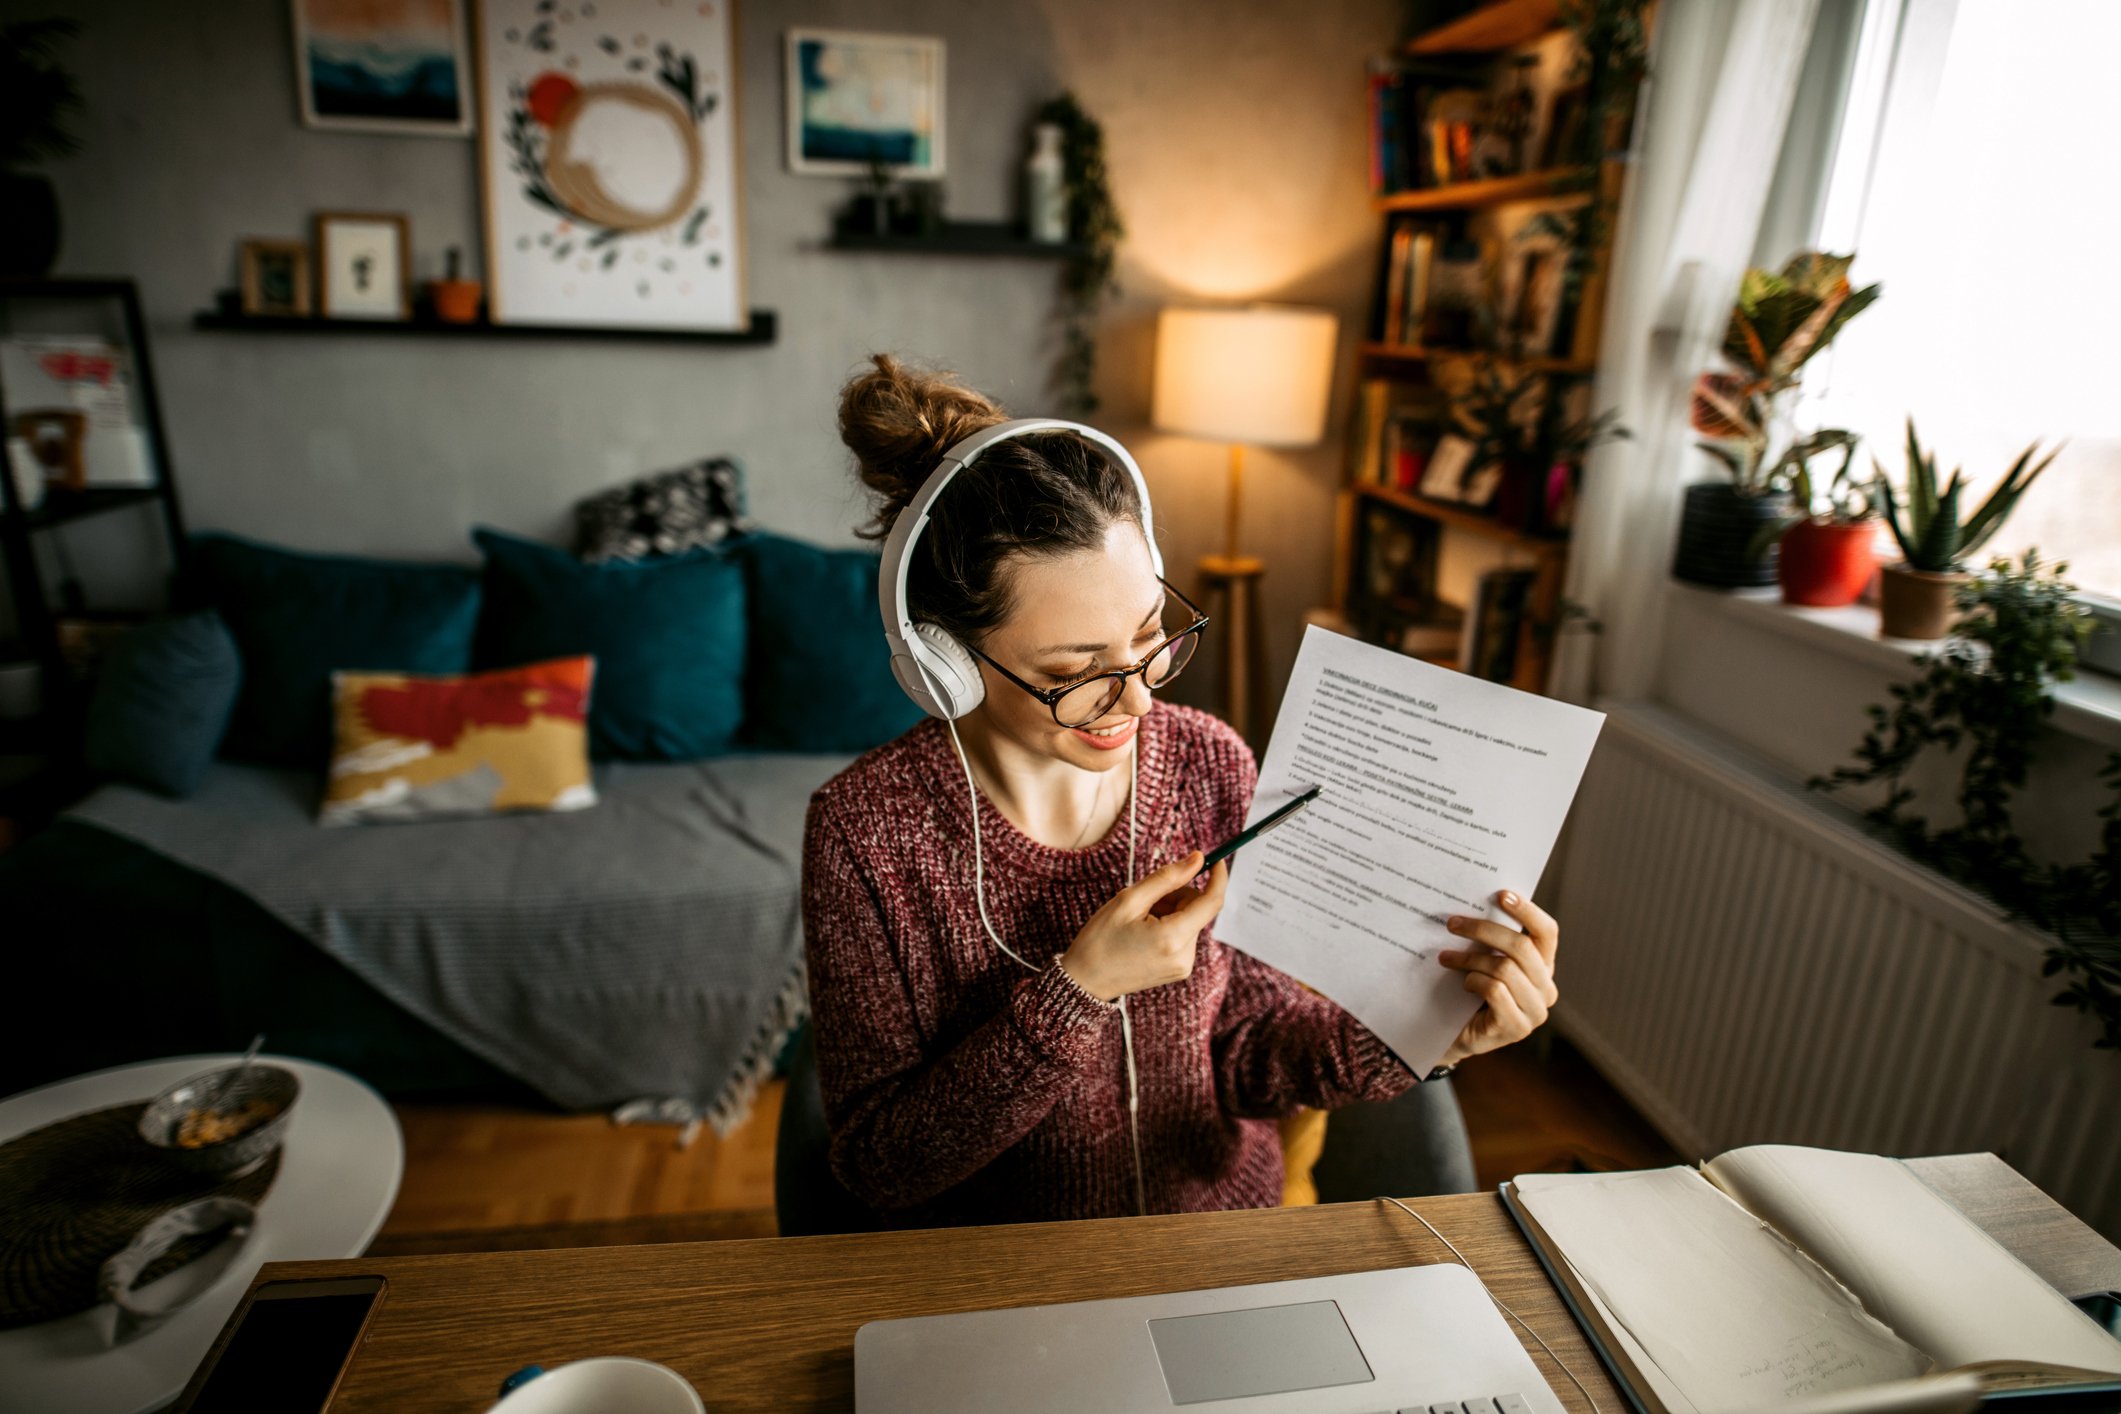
point(276, 278)
point(364, 265)
point(855, 100)
point(391, 66)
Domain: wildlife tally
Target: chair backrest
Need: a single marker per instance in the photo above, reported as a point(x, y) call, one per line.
point(1406, 1147)
point(808, 1201)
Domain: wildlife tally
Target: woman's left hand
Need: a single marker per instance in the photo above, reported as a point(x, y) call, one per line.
point(1512, 972)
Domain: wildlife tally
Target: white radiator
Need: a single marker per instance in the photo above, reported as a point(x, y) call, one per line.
point(1747, 967)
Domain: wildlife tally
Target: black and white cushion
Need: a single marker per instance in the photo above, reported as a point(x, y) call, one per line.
point(664, 514)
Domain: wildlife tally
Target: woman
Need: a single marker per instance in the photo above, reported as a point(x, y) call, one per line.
point(973, 1005)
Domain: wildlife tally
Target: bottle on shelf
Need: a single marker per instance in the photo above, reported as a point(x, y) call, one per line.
point(1046, 187)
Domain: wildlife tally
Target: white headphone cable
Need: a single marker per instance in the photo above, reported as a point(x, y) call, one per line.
point(979, 896)
point(1499, 1302)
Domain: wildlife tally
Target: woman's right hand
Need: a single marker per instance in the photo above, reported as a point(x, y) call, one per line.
point(1146, 935)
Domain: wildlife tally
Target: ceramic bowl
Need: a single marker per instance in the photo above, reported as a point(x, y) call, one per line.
point(268, 1086)
point(601, 1385)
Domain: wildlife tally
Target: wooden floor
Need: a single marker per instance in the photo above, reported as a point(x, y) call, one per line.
point(501, 1178)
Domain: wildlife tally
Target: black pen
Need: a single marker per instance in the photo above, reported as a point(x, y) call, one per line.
point(1244, 837)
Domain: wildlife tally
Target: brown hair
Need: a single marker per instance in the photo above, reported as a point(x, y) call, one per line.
point(1047, 493)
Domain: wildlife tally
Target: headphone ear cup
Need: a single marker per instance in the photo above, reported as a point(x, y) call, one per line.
point(954, 683)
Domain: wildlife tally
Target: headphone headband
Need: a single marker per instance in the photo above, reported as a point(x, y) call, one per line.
point(911, 652)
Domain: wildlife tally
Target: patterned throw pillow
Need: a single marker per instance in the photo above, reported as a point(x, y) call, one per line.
point(414, 747)
point(666, 514)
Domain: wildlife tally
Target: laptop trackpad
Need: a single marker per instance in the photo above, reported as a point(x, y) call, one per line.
point(1268, 1350)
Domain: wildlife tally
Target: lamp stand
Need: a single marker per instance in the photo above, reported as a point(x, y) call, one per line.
point(1232, 580)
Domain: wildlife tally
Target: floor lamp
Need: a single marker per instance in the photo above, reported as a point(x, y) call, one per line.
point(1254, 376)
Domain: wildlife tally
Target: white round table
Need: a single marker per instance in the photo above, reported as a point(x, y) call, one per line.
point(339, 1172)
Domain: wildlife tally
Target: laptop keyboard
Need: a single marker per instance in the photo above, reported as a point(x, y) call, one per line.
point(1480, 1404)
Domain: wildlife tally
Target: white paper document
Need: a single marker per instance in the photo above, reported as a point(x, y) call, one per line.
point(1440, 790)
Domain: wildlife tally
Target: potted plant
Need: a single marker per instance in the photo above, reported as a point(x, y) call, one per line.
point(38, 102)
point(1520, 422)
point(1916, 596)
point(1826, 546)
point(1779, 323)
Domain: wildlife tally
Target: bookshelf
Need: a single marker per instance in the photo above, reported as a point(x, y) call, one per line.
point(1466, 221)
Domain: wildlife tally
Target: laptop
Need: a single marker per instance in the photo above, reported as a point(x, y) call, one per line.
point(1425, 1339)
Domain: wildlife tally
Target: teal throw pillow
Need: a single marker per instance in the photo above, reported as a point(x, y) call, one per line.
point(668, 636)
point(161, 703)
point(820, 677)
point(298, 618)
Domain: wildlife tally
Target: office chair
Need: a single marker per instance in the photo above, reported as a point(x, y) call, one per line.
point(807, 1200)
point(1407, 1147)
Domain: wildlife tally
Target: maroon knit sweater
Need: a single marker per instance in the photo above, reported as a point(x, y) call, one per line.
point(962, 1088)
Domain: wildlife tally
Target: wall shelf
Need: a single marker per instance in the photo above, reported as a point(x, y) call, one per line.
point(60, 506)
point(764, 327)
point(1416, 353)
point(1500, 24)
point(1560, 184)
point(1463, 518)
point(956, 238)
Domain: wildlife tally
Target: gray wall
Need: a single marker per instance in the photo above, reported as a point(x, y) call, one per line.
point(1237, 150)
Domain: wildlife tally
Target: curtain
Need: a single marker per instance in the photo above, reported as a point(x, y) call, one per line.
point(1722, 77)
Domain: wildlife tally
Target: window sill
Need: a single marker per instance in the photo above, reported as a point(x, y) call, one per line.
point(2089, 707)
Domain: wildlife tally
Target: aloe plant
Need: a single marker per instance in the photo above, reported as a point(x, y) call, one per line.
point(1931, 535)
point(1780, 322)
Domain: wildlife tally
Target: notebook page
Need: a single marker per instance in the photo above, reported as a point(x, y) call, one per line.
point(1916, 1261)
point(1733, 1316)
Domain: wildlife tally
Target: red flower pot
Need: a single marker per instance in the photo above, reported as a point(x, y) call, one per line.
point(1827, 565)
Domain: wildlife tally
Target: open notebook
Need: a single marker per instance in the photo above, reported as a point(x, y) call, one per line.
point(1774, 1275)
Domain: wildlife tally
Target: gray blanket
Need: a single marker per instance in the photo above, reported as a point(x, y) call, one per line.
point(646, 949)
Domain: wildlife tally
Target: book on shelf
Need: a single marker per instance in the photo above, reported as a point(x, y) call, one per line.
point(1494, 624)
point(1426, 121)
point(1399, 425)
point(1410, 259)
point(1776, 1276)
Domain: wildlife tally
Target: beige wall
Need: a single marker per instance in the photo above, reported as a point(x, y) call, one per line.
point(1237, 149)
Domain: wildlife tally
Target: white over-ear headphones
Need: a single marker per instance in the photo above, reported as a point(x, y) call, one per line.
point(938, 672)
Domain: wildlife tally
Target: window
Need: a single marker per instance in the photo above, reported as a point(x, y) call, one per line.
point(1975, 176)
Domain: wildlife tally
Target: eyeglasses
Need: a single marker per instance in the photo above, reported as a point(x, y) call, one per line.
point(1079, 703)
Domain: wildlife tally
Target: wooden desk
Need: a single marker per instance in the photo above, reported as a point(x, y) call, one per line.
point(769, 1324)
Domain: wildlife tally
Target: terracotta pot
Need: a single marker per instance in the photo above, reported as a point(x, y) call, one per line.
point(1827, 565)
point(456, 301)
point(1717, 532)
point(1913, 603)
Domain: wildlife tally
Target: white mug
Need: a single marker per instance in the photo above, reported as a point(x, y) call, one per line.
point(608, 1384)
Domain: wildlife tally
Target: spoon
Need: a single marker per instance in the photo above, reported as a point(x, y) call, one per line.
point(234, 1075)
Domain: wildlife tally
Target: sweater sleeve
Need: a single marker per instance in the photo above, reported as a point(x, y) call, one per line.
point(1279, 1046)
point(907, 1126)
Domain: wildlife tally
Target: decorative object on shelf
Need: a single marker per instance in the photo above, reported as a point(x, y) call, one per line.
point(1095, 228)
point(39, 101)
point(1827, 542)
point(1778, 324)
point(364, 265)
point(608, 152)
point(856, 98)
point(55, 438)
point(1258, 375)
point(1917, 595)
point(389, 66)
point(275, 278)
point(1986, 696)
point(455, 300)
point(1046, 186)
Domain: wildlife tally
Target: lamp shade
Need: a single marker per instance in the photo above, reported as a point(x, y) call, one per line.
point(1258, 375)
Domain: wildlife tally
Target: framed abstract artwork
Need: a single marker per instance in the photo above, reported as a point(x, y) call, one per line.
point(364, 265)
point(393, 66)
point(608, 157)
point(855, 100)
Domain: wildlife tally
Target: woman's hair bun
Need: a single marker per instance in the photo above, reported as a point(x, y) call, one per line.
point(898, 422)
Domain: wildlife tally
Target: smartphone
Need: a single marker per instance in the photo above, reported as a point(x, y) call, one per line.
point(289, 1345)
point(1244, 837)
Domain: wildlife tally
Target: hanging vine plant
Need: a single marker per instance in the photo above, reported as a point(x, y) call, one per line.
point(1095, 229)
point(1987, 694)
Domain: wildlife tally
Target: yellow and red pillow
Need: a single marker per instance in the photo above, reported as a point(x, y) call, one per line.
point(410, 746)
